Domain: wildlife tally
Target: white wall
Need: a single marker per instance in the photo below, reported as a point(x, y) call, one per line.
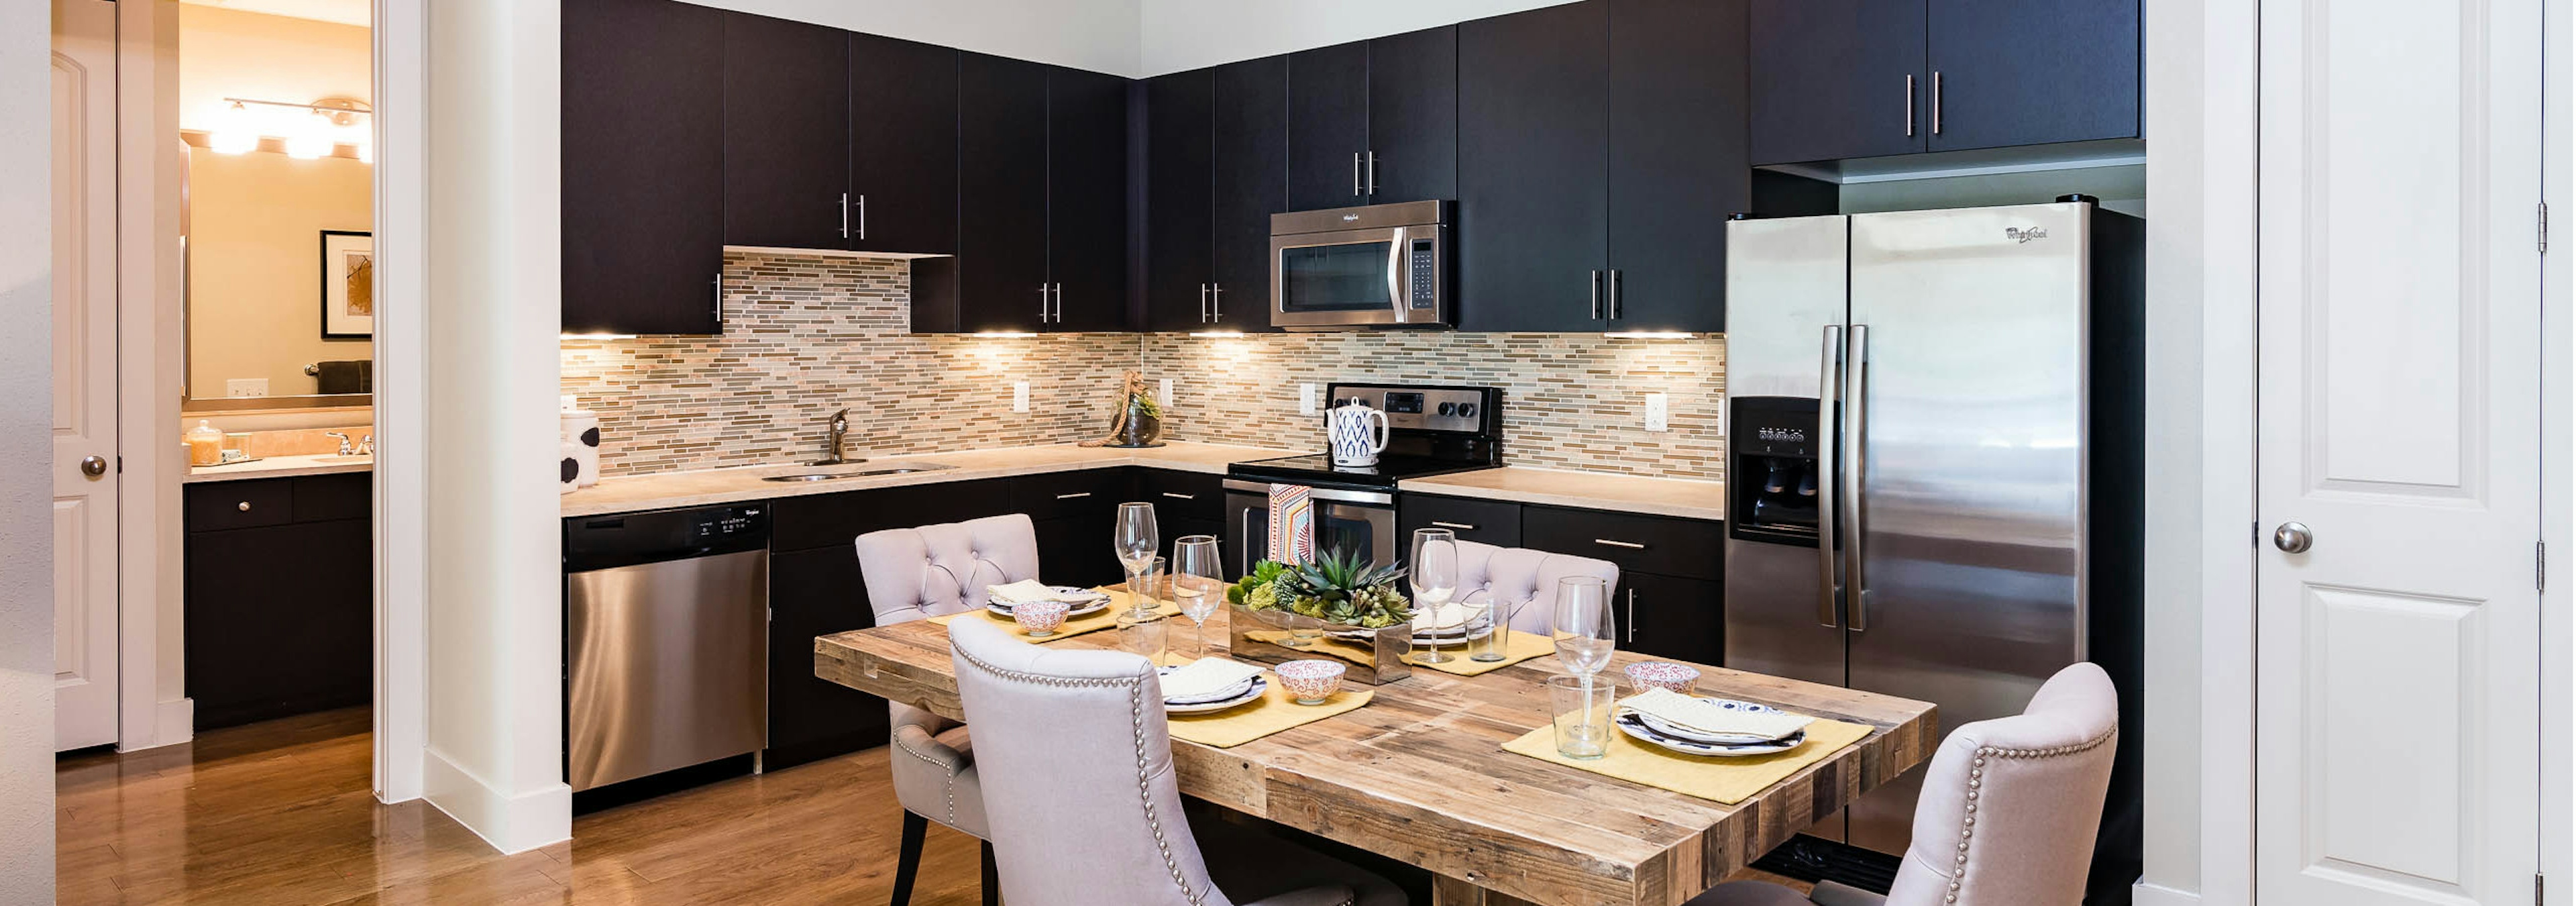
point(1098, 35)
point(26, 446)
point(1187, 34)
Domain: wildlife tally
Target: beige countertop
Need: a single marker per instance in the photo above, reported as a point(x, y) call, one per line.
point(708, 487)
point(280, 467)
point(1682, 497)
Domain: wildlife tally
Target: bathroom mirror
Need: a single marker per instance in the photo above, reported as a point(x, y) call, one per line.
point(280, 277)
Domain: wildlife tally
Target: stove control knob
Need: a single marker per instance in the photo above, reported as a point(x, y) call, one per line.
point(1448, 408)
point(1466, 410)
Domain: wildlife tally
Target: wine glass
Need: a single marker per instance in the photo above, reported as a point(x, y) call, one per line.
point(1582, 625)
point(1136, 542)
point(1434, 576)
point(1197, 583)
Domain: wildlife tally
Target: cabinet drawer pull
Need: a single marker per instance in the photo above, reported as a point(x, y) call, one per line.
point(1460, 526)
point(1180, 496)
point(1632, 616)
point(1072, 496)
point(243, 506)
point(1631, 545)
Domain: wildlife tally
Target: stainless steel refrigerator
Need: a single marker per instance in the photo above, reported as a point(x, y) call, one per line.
point(1950, 401)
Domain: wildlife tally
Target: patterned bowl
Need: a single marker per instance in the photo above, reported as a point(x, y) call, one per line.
point(1680, 678)
point(1310, 681)
point(1041, 618)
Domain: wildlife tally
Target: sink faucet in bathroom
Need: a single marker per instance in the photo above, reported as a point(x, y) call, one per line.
point(840, 433)
point(345, 448)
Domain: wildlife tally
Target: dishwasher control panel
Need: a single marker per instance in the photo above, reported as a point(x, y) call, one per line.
point(606, 542)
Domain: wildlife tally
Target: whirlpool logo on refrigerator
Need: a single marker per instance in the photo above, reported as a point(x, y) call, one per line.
point(2024, 235)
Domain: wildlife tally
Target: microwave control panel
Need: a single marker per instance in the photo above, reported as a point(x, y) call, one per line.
point(1424, 292)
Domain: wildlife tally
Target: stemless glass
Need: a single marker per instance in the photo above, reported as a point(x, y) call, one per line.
point(1136, 540)
point(1581, 710)
point(1144, 633)
point(1496, 645)
point(1147, 590)
point(1197, 583)
point(1434, 575)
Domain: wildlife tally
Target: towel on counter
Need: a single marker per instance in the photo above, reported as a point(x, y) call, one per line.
point(358, 376)
point(1292, 524)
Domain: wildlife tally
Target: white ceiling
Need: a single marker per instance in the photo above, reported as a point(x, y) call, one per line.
point(345, 12)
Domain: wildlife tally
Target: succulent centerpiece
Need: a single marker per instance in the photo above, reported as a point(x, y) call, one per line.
point(1341, 588)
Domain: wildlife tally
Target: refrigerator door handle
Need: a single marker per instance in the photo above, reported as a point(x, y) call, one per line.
point(1855, 465)
point(1829, 375)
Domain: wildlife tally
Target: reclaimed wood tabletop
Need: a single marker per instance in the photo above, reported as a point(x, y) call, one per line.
point(1420, 775)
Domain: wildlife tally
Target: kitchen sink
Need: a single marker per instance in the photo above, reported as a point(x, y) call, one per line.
point(861, 473)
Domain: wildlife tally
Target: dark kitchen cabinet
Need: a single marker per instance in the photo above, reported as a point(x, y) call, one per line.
point(1664, 545)
point(1671, 617)
point(1533, 193)
point(279, 578)
point(1074, 513)
point(1328, 122)
point(643, 167)
point(1412, 151)
point(1002, 195)
point(1087, 199)
point(2027, 72)
point(1248, 153)
point(1678, 160)
point(837, 520)
point(815, 593)
point(903, 146)
point(1179, 207)
point(1492, 522)
point(786, 133)
point(1837, 80)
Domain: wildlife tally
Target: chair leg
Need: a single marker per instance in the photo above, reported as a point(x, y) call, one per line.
point(992, 878)
point(908, 863)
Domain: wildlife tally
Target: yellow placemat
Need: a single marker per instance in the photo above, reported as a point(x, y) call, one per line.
point(1517, 647)
point(1275, 711)
point(1727, 780)
point(1090, 622)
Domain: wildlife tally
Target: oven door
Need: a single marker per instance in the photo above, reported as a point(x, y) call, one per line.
point(1344, 519)
point(1383, 276)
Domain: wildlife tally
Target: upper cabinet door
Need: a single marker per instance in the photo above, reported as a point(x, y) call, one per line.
point(1533, 169)
point(1248, 149)
point(1412, 150)
point(903, 146)
point(1087, 199)
point(1178, 108)
point(2026, 72)
point(1328, 123)
point(1835, 79)
point(643, 166)
point(1677, 159)
point(786, 133)
point(1002, 189)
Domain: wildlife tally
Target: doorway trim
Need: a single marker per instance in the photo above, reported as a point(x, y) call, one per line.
point(152, 704)
point(401, 37)
point(2557, 415)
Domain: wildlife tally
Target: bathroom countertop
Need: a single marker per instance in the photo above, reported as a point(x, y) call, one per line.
point(1682, 497)
point(280, 467)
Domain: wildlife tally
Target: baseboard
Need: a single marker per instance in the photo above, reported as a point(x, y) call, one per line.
point(173, 722)
point(512, 824)
point(2158, 895)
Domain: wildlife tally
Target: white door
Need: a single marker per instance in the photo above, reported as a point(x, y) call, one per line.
point(2396, 738)
point(84, 180)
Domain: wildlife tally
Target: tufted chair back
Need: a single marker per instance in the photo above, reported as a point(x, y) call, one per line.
point(935, 570)
point(1518, 575)
point(2010, 806)
point(1077, 772)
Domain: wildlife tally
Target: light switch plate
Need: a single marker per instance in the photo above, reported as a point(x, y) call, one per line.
point(1307, 396)
point(1163, 395)
point(1019, 396)
point(1659, 412)
point(256, 386)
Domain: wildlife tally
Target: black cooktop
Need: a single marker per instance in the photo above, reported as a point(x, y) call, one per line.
point(1318, 468)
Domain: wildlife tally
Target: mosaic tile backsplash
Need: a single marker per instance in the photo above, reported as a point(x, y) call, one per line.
point(807, 335)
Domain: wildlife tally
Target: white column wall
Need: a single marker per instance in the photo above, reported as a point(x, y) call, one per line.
point(26, 444)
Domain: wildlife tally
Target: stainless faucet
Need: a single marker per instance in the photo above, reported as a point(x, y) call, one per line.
point(345, 449)
point(840, 432)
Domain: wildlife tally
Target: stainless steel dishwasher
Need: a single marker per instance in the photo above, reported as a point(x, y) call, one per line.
point(666, 634)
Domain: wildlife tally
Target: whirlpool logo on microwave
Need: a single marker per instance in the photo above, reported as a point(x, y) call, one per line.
point(2024, 235)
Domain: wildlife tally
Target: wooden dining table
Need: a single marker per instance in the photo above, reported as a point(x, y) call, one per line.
point(1420, 775)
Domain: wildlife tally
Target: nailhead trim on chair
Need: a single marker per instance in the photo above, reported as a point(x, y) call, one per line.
point(951, 770)
point(1976, 779)
point(1144, 779)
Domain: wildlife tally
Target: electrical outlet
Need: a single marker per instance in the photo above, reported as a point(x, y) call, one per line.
point(1307, 396)
point(1720, 420)
point(1163, 395)
point(1659, 412)
point(257, 386)
point(1019, 396)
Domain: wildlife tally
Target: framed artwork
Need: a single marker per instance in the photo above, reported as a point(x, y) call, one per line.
point(348, 285)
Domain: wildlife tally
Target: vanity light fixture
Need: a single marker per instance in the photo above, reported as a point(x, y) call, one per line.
point(1651, 335)
point(238, 132)
point(233, 132)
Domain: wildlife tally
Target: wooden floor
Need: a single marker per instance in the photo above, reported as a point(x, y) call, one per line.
point(281, 814)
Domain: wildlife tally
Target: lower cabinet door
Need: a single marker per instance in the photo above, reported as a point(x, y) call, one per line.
point(1075, 550)
point(1672, 618)
point(813, 593)
point(257, 649)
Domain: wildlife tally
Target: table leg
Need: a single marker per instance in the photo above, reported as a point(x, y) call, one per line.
point(1448, 891)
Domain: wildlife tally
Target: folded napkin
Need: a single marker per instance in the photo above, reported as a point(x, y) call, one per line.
point(1707, 717)
point(1204, 677)
point(1022, 592)
point(1447, 616)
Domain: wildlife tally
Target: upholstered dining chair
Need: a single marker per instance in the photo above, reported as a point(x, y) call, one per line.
point(2008, 811)
point(1519, 576)
point(917, 573)
point(1084, 811)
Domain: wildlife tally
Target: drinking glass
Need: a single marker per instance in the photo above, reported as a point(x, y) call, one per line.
point(1434, 576)
point(1149, 589)
point(1198, 583)
point(1495, 645)
point(1136, 540)
point(1582, 625)
point(1581, 708)
point(1146, 633)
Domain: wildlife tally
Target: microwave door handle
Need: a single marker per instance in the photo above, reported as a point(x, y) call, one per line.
point(1395, 275)
point(1829, 373)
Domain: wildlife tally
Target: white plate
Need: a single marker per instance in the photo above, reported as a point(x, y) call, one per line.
point(1230, 692)
point(1668, 728)
point(1260, 685)
point(1628, 722)
point(1084, 601)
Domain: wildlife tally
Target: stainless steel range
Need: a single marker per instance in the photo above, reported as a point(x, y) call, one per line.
point(1431, 430)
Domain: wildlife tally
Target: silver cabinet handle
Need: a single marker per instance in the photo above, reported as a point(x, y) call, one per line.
point(1855, 463)
point(1059, 303)
point(845, 215)
point(863, 216)
point(243, 506)
point(1829, 395)
point(1180, 496)
point(1632, 616)
point(1216, 303)
point(1072, 496)
point(1042, 303)
point(1631, 545)
point(1909, 105)
point(1460, 526)
point(718, 282)
point(1614, 294)
point(1936, 102)
point(2293, 538)
point(1596, 295)
point(1355, 174)
point(1372, 168)
point(1203, 303)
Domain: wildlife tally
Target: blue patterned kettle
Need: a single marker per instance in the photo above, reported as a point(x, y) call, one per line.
point(1347, 428)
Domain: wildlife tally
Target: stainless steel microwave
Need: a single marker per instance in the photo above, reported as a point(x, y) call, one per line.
point(1384, 265)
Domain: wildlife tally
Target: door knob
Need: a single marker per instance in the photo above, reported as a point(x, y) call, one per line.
point(2293, 538)
point(93, 466)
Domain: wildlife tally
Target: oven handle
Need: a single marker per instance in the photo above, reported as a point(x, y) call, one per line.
point(1336, 495)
